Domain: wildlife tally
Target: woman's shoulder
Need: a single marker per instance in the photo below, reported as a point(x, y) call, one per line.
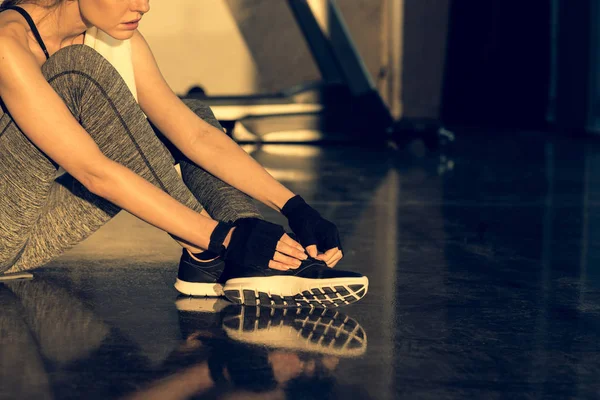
point(13, 27)
point(14, 47)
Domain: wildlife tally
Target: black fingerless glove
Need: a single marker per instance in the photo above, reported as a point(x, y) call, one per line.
point(253, 242)
point(309, 226)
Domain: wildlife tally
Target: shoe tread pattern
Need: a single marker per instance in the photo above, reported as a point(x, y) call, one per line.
point(318, 297)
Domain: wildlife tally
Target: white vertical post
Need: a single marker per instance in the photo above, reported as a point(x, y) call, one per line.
point(390, 85)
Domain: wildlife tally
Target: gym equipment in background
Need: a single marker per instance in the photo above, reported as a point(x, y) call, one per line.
point(344, 106)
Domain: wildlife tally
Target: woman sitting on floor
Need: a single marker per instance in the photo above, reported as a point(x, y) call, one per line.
point(82, 94)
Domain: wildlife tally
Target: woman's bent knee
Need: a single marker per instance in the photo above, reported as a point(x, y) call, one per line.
point(75, 58)
point(79, 73)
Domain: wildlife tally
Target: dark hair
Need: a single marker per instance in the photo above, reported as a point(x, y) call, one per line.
point(44, 3)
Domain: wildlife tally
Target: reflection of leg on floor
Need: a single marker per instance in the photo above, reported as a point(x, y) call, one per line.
point(52, 343)
point(64, 328)
point(22, 370)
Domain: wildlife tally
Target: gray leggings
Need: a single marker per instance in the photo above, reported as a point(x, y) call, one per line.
point(41, 217)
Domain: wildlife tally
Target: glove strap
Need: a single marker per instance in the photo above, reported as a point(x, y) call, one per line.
point(292, 205)
point(253, 243)
point(218, 237)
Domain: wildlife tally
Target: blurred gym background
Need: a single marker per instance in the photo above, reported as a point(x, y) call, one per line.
point(434, 63)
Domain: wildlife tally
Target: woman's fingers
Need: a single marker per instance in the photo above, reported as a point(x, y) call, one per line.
point(290, 262)
point(333, 262)
point(290, 250)
point(291, 242)
point(278, 266)
point(331, 256)
point(288, 255)
point(283, 263)
point(312, 250)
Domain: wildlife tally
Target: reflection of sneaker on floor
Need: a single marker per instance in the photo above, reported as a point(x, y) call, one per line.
point(201, 304)
point(200, 318)
point(199, 278)
point(314, 284)
point(309, 330)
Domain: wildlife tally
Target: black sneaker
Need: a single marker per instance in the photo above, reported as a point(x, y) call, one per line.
point(315, 330)
point(313, 284)
point(199, 278)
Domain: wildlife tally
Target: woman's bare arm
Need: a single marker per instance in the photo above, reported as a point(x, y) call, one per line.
point(44, 118)
point(202, 143)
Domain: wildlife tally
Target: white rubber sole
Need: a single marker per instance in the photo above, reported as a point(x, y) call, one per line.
point(199, 289)
point(290, 291)
point(308, 330)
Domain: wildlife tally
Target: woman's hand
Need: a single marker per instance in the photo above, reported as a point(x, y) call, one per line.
point(320, 236)
point(257, 242)
point(288, 255)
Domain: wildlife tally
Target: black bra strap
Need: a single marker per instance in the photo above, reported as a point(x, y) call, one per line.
point(34, 29)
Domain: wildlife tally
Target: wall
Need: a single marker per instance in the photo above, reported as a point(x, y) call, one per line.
point(245, 46)
point(199, 45)
point(425, 28)
point(255, 46)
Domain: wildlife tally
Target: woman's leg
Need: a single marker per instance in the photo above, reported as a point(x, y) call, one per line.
point(27, 176)
point(222, 201)
point(58, 215)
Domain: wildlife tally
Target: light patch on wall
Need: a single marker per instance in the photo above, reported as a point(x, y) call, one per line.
point(199, 43)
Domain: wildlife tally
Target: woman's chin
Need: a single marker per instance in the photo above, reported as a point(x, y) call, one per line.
point(121, 34)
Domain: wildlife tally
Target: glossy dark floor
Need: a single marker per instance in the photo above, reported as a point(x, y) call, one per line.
point(485, 284)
